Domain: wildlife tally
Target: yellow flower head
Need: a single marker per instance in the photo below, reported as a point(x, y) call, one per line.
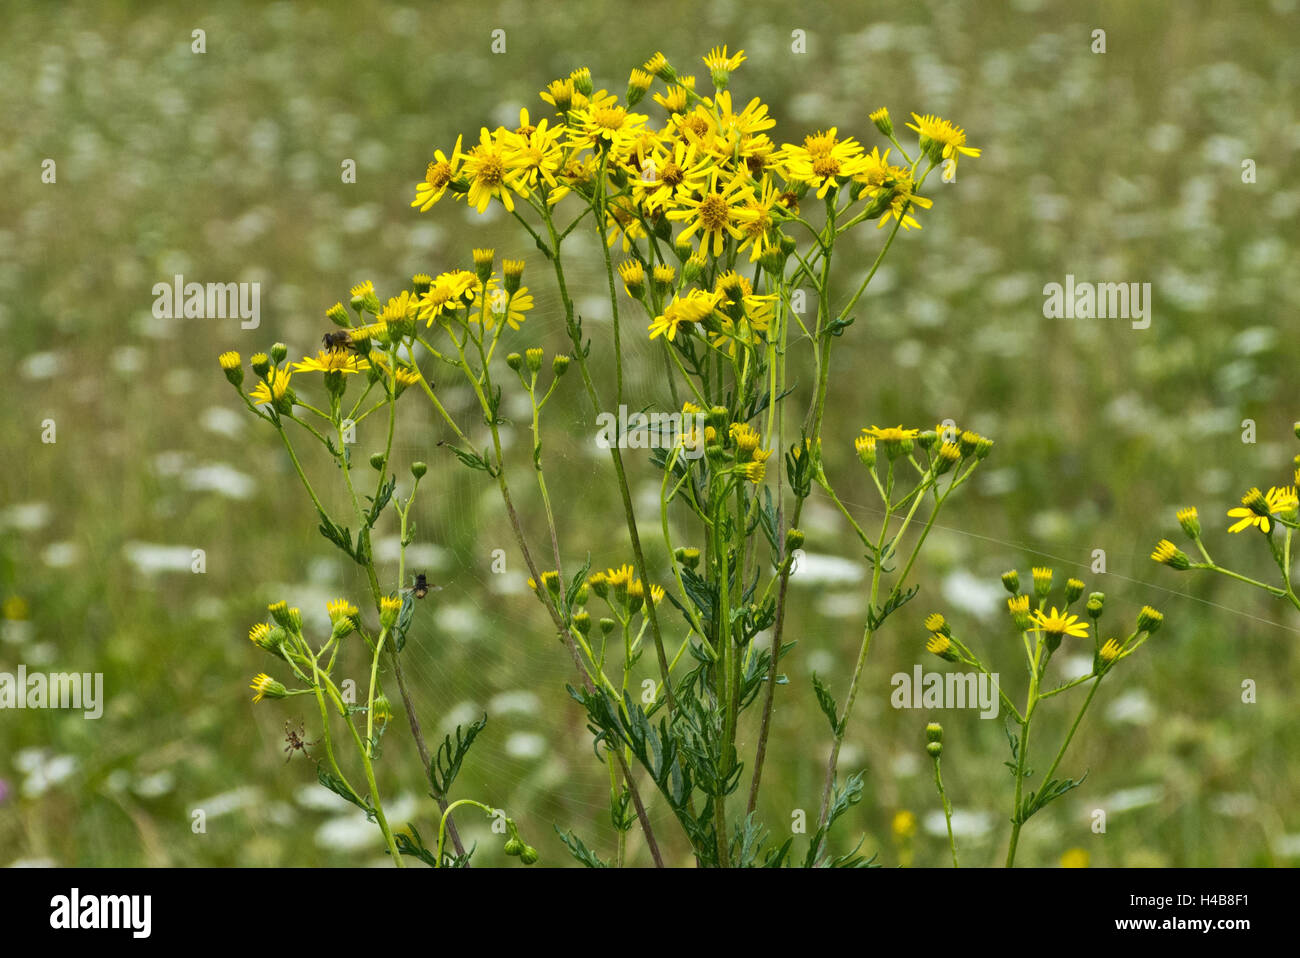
point(340, 609)
point(675, 99)
point(940, 645)
point(633, 275)
point(622, 576)
point(822, 159)
point(1257, 508)
point(1075, 858)
point(891, 433)
point(935, 622)
point(559, 93)
point(1110, 651)
point(714, 214)
point(658, 66)
point(332, 361)
point(606, 125)
point(447, 292)
point(1166, 553)
point(535, 153)
point(492, 170)
point(267, 688)
point(696, 306)
point(1058, 624)
point(500, 305)
point(437, 177)
point(745, 437)
point(941, 137)
point(717, 59)
point(273, 389)
point(903, 825)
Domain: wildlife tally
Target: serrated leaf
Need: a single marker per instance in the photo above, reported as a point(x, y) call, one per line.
point(404, 618)
point(828, 706)
point(578, 849)
point(339, 788)
point(446, 764)
point(380, 500)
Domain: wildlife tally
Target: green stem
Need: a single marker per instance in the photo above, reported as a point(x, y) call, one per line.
point(947, 811)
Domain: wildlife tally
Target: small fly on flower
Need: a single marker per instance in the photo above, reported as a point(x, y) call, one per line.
point(421, 588)
point(338, 340)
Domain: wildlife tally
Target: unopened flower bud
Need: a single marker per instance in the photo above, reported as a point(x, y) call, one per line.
point(280, 612)
point(418, 469)
point(1166, 553)
point(940, 645)
point(337, 315)
point(1149, 620)
point(267, 688)
point(233, 367)
point(1190, 521)
point(1042, 580)
point(513, 271)
point(1096, 604)
point(389, 607)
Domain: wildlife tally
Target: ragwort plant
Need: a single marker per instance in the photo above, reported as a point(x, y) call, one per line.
point(718, 232)
point(1042, 629)
point(274, 400)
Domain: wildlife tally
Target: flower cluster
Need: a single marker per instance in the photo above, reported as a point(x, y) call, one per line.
point(1275, 515)
point(691, 188)
point(1044, 622)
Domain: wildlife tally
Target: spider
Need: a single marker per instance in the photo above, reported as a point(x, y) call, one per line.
point(295, 740)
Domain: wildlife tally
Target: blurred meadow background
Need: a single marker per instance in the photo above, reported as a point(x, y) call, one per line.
point(225, 166)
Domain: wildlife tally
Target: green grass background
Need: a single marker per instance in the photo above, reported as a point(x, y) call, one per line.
point(1122, 166)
